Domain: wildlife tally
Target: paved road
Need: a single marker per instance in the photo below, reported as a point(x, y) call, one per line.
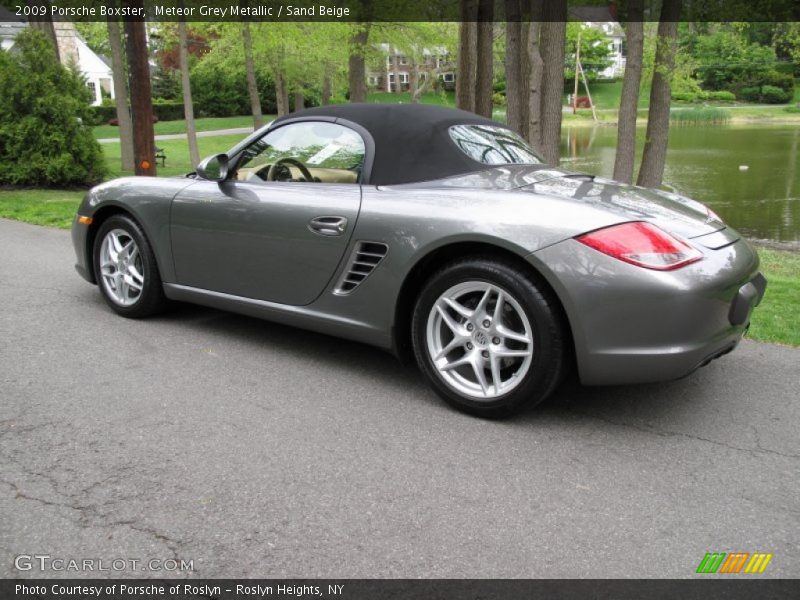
point(182, 136)
point(255, 449)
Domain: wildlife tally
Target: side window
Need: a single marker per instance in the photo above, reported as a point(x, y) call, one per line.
point(310, 151)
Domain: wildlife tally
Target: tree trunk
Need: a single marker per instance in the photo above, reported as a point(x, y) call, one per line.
point(654, 156)
point(299, 100)
point(357, 78)
point(515, 95)
point(398, 87)
point(535, 70)
point(188, 107)
point(325, 96)
point(552, 40)
point(121, 95)
point(413, 87)
point(484, 65)
point(252, 84)
point(141, 96)
point(629, 101)
point(281, 94)
point(467, 37)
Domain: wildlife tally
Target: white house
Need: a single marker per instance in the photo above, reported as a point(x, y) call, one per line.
point(604, 18)
point(72, 49)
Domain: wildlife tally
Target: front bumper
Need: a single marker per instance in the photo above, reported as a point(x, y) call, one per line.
point(80, 233)
point(634, 325)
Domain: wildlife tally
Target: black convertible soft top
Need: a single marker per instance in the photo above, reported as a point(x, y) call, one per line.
point(412, 142)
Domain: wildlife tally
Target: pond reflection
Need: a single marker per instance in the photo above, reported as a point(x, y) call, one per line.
point(703, 162)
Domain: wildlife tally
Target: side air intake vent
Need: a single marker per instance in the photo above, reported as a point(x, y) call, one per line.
point(365, 257)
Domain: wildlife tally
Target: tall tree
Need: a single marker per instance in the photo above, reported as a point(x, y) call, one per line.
point(654, 155)
point(467, 39)
point(629, 100)
point(357, 77)
point(121, 94)
point(252, 84)
point(535, 71)
point(141, 96)
point(552, 44)
point(44, 23)
point(186, 86)
point(484, 65)
point(516, 101)
point(325, 95)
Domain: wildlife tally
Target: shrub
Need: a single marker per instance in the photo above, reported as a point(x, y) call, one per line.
point(774, 95)
point(221, 90)
point(45, 138)
point(750, 94)
point(684, 96)
point(721, 96)
point(499, 99)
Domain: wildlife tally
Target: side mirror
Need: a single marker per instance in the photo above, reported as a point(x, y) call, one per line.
point(214, 168)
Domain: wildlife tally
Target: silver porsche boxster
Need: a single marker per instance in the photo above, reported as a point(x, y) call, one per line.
point(436, 234)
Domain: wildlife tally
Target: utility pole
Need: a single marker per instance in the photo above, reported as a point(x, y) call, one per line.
point(141, 96)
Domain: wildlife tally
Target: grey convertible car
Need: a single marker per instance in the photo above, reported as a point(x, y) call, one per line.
point(440, 235)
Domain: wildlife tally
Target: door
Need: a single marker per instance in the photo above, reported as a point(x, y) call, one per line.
point(277, 229)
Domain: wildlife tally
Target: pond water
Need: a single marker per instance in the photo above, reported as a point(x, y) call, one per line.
point(703, 162)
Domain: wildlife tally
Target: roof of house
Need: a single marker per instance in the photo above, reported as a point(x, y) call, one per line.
point(412, 141)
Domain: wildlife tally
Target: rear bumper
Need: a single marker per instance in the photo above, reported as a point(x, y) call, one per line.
point(634, 325)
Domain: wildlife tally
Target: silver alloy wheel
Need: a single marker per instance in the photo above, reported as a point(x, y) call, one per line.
point(479, 340)
point(121, 267)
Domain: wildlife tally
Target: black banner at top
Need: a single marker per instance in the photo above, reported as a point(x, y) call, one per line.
point(394, 10)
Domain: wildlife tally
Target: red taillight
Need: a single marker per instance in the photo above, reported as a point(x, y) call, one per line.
point(642, 244)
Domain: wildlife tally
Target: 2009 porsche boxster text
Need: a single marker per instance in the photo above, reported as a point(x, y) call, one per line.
point(438, 234)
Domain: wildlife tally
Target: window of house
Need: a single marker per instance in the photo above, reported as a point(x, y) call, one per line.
point(403, 77)
point(403, 60)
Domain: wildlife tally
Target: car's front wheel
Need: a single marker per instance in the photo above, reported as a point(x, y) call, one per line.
point(126, 269)
point(488, 337)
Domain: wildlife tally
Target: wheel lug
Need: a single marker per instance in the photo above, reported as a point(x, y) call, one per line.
point(487, 323)
point(496, 340)
point(485, 354)
point(469, 346)
point(470, 327)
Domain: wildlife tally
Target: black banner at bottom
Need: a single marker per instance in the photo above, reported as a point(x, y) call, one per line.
point(396, 589)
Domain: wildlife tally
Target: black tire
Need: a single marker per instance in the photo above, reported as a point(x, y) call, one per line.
point(543, 312)
point(151, 299)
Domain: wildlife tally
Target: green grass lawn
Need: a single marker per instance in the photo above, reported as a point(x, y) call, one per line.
point(169, 127)
point(177, 162)
point(777, 318)
point(53, 208)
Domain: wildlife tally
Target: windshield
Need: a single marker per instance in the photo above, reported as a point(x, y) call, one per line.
point(493, 145)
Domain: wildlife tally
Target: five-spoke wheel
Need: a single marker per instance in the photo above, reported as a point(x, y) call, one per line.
point(479, 339)
point(489, 336)
point(121, 267)
point(125, 268)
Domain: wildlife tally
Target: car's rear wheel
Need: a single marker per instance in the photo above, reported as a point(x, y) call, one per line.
point(488, 337)
point(126, 269)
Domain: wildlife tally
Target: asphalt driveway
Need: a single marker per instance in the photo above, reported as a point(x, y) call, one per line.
point(257, 450)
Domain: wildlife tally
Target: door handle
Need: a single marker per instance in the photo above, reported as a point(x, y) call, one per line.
point(328, 225)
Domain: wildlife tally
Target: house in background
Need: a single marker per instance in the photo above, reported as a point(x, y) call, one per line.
point(436, 62)
point(72, 49)
point(604, 18)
